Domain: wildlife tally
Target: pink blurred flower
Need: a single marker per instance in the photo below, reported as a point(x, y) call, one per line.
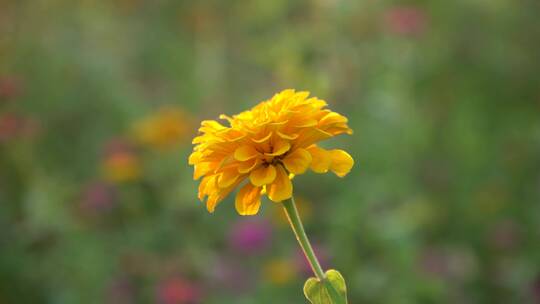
point(250, 236)
point(405, 20)
point(176, 290)
point(303, 264)
point(97, 197)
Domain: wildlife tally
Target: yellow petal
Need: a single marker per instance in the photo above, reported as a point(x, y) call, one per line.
point(311, 136)
point(287, 136)
point(212, 202)
point(201, 169)
point(342, 162)
point(298, 161)
point(244, 153)
point(306, 123)
point(263, 139)
point(216, 195)
point(321, 159)
point(210, 125)
point(248, 200)
point(232, 135)
point(228, 177)
point(332, 118)
point(226, 117)
point(194, 157)
point(280, 147)
point(278, 123)
point(248, 165)
point(281, 188)
point(203, 186)
point(263, 176)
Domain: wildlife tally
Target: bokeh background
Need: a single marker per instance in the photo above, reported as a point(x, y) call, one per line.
point(99, 101)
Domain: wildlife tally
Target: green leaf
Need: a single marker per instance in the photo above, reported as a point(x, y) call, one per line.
point(331, 290)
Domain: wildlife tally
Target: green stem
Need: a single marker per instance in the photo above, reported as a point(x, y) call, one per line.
point(296, 224)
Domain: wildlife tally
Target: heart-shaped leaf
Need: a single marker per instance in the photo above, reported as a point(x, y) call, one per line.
point(331, 290)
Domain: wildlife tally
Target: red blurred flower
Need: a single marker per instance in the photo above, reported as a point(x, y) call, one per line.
point(118, 146)
point(405, 20)
point(121, 163)
point(176, 290)
point(10, 87)
point(14, 126)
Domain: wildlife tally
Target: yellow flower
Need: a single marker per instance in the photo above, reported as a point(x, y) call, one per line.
point(279, 271)
point(165, 129)
point(267, 146)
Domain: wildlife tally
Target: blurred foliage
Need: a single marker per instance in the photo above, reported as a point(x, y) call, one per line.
point(97, 204)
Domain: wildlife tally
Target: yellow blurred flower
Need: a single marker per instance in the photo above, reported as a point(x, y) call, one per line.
point(121, 167)
point(167, 128)
point(279, 271)
point(267, 145)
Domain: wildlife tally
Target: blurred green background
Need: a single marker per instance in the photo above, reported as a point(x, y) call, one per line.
point(99, 101)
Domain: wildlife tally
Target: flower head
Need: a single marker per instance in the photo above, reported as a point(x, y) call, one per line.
point(267, 145)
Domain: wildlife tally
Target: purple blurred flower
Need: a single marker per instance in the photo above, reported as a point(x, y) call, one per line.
point(121, 291)
point(434, 261)
point(405, 20)
point(303, 264)
point(230, 276)
point(250, 236)
point(97, 197)
point(457, 263)
point(536, 289)
point(504, 235)
point(176, 290)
